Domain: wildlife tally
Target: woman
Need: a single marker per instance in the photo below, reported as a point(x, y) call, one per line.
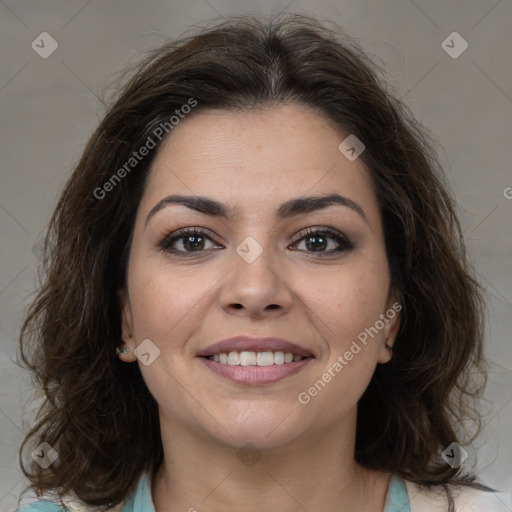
point(257, 296)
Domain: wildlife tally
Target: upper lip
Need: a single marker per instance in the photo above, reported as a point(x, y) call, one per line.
point(252, 344)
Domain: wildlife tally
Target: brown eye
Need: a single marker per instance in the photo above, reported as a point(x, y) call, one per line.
point(185, 241)
point(318, 240)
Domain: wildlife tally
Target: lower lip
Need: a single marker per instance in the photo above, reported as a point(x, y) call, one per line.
point(254, 375)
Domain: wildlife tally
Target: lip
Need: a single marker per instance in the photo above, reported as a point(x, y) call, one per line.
point(252, 344)
point(256, 375)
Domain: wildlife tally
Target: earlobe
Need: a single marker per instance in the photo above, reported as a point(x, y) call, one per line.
point(393, 315)
point(390, 332)
point(125, 350)
point(391, 329)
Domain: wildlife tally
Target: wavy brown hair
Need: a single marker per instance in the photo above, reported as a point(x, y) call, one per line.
point(97, 411)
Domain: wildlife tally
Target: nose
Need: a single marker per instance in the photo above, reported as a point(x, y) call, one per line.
point(257, 288)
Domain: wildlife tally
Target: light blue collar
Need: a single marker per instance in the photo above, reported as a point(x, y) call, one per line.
point(140, 500)
point(397, 499)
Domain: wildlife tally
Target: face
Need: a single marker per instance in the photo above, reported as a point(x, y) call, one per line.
point(317, 277)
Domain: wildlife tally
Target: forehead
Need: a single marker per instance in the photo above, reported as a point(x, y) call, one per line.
point(279, 152)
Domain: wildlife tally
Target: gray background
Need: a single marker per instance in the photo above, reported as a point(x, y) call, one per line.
point(49, 107)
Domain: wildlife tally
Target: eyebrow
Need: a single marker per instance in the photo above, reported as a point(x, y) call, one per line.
point(297, 206)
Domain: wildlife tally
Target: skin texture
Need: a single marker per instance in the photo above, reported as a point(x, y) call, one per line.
point(255, 161)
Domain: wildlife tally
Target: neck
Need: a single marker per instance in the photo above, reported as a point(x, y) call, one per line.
point(315, 472)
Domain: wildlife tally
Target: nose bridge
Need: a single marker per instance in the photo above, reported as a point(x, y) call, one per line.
point(254, 256)
point(255, 237)
point(255, 281)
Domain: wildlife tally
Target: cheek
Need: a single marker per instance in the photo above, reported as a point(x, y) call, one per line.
point(346, 305)
point(348, 299)
point(358, 297)
point(164, 302)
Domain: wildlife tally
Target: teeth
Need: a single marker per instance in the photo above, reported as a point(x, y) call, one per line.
point(233, 358)
point(278, 357)
point(265, 359)
point(246, 358)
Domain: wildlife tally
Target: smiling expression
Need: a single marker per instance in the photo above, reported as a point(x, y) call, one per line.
point(318, 276)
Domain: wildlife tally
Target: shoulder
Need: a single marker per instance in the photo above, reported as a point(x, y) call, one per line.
point(466, 499)
point(40, 506)
point(137, 500)
point(68, 505)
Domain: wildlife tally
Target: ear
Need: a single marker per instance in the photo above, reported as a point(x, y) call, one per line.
point(126, 326)
point(392, 321)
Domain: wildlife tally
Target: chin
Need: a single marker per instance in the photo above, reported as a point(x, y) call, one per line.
point(247, 439)
point(263, 430)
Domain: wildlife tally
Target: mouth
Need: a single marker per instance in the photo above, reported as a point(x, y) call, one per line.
point(254, 374)
point(245, 344)
point(254, 361)
point(249, 358)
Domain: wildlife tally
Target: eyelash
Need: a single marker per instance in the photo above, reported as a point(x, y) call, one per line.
point(345, 245)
